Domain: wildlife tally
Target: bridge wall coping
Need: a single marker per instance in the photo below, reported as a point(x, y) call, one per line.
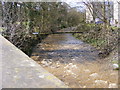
point(20, 71)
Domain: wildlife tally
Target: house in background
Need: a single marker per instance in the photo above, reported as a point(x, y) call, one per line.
point(116, 14)
point(112, 13)
point(89, 16)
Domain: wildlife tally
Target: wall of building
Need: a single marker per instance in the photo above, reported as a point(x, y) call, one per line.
point(118, 14)
point(115, 13)
point(89, 16)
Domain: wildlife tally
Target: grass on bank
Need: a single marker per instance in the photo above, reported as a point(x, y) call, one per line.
point(93, 34)
point(96, 42)
point(97, 36)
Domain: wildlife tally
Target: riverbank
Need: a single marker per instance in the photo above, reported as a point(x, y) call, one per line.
point(26, 43)
point(30, 43)
point(105, 41)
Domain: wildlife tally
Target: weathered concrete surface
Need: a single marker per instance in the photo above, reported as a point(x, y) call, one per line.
point(20, 71)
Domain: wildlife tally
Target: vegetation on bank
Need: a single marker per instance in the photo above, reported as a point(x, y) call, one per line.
point(105, 40)
point(26, 23)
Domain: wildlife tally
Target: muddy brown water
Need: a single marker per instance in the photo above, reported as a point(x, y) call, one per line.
point(74, 62)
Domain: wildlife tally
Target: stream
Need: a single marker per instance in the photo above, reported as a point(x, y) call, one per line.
point(74, 62)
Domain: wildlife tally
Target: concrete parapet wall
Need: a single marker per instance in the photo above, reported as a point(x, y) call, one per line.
point(20, 71)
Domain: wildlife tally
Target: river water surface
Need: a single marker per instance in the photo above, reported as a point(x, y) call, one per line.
point(74, 62)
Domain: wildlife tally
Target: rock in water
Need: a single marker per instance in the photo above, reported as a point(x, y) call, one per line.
point(113, 85)
point(36, 58)
point(94, 75)
point(101, 83)
point(115, 66)
point(87, 71)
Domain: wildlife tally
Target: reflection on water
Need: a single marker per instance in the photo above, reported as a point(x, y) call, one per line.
point(61, 46)
point(74, 62)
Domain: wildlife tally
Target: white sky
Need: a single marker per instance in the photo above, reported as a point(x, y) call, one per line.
point(73, 3)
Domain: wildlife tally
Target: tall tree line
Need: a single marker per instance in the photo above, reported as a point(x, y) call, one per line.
point(22, 19)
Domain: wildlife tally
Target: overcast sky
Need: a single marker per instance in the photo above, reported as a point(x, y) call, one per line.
point(79, 5)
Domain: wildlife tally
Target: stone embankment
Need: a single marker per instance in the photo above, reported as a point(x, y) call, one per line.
point(19, 71)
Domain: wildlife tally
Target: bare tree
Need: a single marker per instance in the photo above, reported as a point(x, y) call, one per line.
point(100, 10)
